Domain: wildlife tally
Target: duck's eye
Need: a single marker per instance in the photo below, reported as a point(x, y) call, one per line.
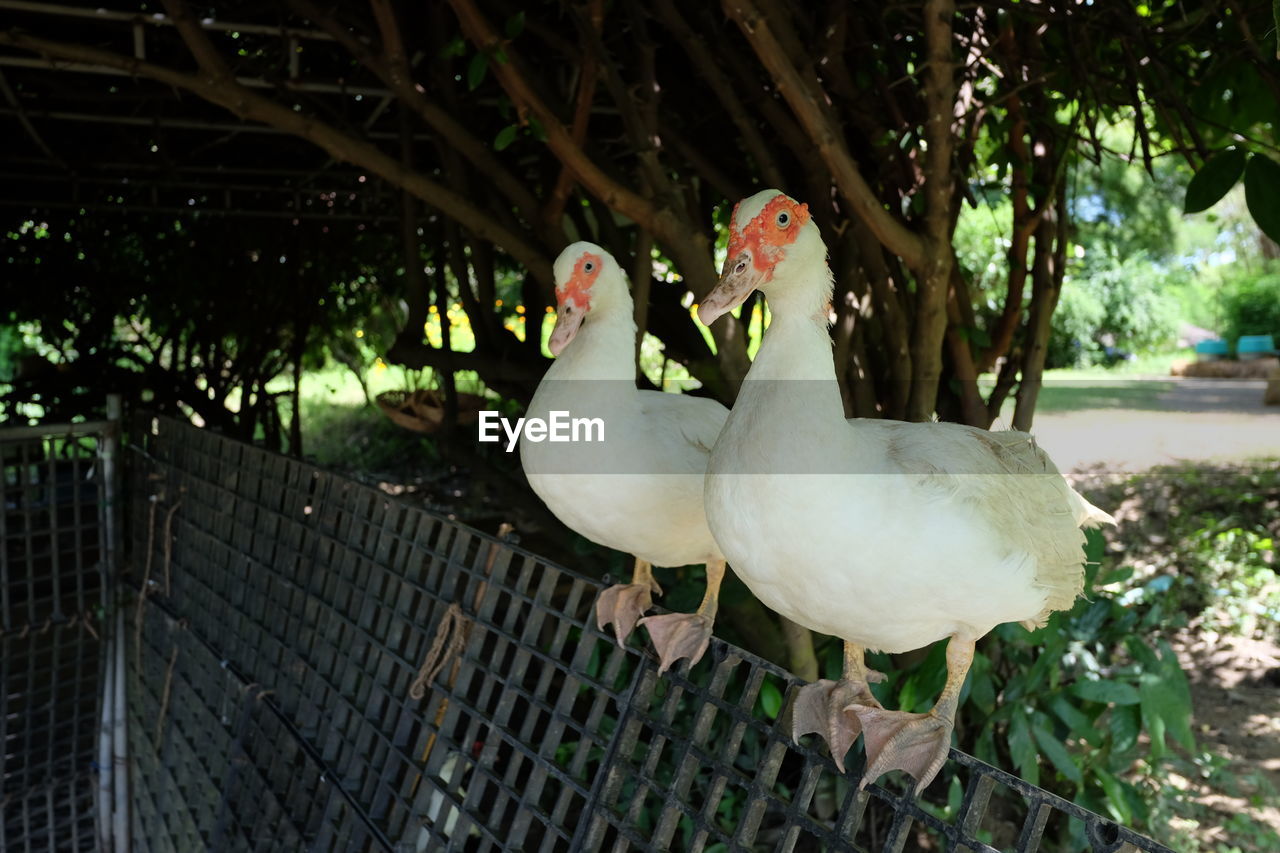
point(589, 266)
point(740, 268)
point(784, 219)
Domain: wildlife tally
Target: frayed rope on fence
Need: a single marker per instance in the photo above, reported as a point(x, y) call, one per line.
point(449, 641)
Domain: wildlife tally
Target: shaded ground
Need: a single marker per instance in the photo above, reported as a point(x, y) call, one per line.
point(1235, 689)
point(1213, 527)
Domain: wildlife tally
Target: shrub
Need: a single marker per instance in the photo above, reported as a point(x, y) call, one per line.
point(1251, 304)
point(1130, 305)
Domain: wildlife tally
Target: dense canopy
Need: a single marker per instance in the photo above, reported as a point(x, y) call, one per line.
point(484, 139)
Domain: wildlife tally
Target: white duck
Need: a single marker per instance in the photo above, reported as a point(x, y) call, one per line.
point(888, 535)
point(640, 489)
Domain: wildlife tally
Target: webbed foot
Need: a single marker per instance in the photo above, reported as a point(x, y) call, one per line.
point(622, 605)
point(825, 708)
point(678, 635)
point(896, 740)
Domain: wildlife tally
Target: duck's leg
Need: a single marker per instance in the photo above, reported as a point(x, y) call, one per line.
point(624, 603)
point(916, 743)
point(825, 707)
point(687, 635)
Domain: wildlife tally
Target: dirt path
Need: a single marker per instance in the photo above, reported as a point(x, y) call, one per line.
point(1192, 420)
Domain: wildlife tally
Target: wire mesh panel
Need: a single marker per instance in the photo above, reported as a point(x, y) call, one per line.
point(318, 666)
point(50, 613)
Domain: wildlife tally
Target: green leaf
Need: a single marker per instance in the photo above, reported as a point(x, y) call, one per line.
point(1154, 724)
point(1022, 749)
point(1262, 194)
point(1215, 178)
point(1124, 726)
point(1106, 691)
point(770, 699)
point(1175, 696)
point(476, 70)
point(982, 689)
point(1117, 801)
point(505, 137)
point(1075, 719)
point(455, 47)
point(515, 25)
point(1118, 576)
point(1057, 753)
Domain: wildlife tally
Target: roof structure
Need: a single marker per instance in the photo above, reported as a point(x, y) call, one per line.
point(80, 135)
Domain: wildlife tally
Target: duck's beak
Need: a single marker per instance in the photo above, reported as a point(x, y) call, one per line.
point(568, 320)
point(738, 280)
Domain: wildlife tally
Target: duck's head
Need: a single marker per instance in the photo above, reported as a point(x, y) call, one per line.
point(588, 281)
point(773, 243)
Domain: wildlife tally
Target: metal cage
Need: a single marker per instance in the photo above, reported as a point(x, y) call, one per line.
point(284, 614)
point(53, 526)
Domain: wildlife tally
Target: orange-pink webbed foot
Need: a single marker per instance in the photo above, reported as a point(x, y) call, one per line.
point(826, 707)
point(622, 604)
point(687, 635)
point(896, 740)
point(678, 635)
point(915, 743)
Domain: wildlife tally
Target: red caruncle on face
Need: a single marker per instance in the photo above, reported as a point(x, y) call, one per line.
point(763, 237)
point(578, 288)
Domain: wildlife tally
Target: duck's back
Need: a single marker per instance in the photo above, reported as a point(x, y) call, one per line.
point(919, 530)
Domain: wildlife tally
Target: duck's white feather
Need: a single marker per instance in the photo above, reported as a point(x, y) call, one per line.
point(891, 535)
point(640, 490)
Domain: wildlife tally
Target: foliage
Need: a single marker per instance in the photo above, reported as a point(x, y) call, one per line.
point(197, 316)
point(1202, 543)
point(657, 151)
point(1127, 305)
point(1251, 303)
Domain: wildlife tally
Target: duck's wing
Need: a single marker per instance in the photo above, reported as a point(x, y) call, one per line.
point(1007, 479)
point(691, 424)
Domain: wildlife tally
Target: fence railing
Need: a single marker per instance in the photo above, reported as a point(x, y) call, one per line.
point(319, 666)
point(53, 608)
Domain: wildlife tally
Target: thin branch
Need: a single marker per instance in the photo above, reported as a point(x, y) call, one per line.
point(559, 140)
point(251, 106)
point(715, 78)
point(392, 68)
point(830, 143)
point(587, 77)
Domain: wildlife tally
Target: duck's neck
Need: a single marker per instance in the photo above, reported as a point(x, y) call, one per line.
point(604, 348)
point(794, 370)
point(795, 347)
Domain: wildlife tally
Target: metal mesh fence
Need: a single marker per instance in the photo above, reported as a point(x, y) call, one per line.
point(285, 614)
point(51, 607)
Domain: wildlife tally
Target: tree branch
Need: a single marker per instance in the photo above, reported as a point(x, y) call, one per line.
point(251, 106)
point(587, 76)
point(392, 68)
point(709, 70)
point(830, 143)
point(933, 276)
point(559, 140)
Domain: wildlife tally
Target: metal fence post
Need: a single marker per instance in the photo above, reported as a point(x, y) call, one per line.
point(114, 704)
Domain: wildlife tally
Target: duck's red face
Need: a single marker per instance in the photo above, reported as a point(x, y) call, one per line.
point(755, 250)
point(573, 300)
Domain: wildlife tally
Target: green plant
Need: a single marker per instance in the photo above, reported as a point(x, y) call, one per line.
point(1129, 305)
point(1251, 304)
point(1086, 706)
